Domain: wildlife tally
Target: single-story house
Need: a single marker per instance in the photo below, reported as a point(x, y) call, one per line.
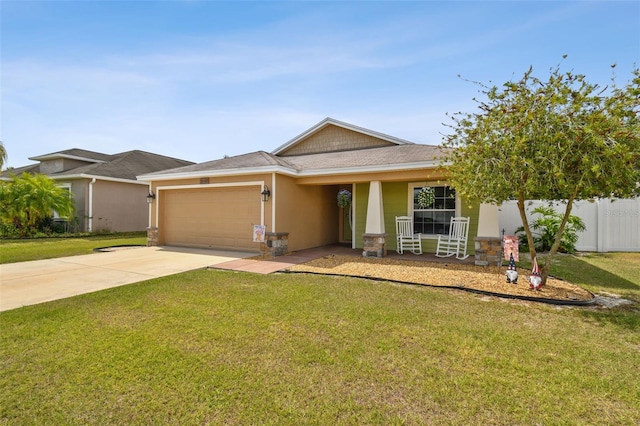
point(106, 193)
point(291, 194)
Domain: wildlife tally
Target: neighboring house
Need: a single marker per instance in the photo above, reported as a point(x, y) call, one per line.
point(217, 204)
point(106, 193)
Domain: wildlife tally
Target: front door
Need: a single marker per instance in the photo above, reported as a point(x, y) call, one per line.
point(345, 223)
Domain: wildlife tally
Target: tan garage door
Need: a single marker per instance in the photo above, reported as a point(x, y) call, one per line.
point(210, 217)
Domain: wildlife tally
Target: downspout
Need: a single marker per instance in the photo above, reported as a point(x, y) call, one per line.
point(150, 224)
point(353, 215)
point(90, 212)
point(274, 191)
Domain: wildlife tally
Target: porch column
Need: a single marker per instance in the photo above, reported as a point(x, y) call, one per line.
point(375, 237)
point(488, 243)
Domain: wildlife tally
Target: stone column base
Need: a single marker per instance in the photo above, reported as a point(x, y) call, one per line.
point(152, 236)
point(488, 251)
point(375, 245)
point(275, 244)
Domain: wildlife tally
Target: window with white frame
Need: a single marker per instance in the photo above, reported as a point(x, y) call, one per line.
point(435, 218)
point(66, 187)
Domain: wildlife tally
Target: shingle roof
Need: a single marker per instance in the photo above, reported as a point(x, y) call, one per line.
point(403, 155)
point(384, 156)
point(75, 153)
point(125, 165)
point(296, 164)
point(252, 160)
point(31, 168)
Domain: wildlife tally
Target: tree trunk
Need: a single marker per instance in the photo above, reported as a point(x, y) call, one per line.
point(544, 270)
point(525, 225)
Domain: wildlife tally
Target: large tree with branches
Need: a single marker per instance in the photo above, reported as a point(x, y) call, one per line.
point(558, 138)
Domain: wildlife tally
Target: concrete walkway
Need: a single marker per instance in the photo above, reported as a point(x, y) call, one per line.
point(29, 283)
point(269, 266)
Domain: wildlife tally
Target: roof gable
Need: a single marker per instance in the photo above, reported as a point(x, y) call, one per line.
point(333, 136)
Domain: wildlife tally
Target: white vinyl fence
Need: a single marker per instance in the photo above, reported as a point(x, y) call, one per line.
point(612, 225)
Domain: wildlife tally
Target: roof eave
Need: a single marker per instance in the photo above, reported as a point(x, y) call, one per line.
point(98, 177)
point(218, 173)
point(294, 173)
point(67, 156)
point(373, 169)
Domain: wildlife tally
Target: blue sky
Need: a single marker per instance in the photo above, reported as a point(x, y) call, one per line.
point(201, 79)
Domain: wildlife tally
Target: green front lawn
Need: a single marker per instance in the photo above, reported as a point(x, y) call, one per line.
point(47, 248)
point(216, 347)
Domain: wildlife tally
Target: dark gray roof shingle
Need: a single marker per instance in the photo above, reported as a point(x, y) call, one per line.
point(372, 157)
point(125, 165)
point(248, 161)
point(75, 152)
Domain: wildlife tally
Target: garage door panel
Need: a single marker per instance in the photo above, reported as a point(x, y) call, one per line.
point(210, 217)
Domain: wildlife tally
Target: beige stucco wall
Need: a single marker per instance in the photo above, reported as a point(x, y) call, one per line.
point(159, 187)
point(119, 206)
point(310, 214)
point(307, 208)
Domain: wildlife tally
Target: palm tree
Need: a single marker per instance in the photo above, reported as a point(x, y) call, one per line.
point(3, 155)
point(28, 200)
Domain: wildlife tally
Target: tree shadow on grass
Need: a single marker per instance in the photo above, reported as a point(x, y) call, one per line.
point(577, 271)
point(626, 316)
point(598, 279)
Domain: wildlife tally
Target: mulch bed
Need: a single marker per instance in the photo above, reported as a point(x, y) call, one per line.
point(484, 279)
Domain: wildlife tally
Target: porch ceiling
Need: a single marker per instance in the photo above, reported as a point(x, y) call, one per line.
point(437, 173)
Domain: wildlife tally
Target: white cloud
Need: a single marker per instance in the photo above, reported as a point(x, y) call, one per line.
point(206, 94)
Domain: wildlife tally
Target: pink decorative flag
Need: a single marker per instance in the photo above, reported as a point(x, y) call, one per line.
point(510, 243)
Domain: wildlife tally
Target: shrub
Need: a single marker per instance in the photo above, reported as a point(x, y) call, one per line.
point(546, 226)
point(27, 203)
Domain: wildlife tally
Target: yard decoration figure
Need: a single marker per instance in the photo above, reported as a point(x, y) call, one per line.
point(535, 279)
point(512, 273)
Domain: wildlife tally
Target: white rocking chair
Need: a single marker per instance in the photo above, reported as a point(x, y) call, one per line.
point(406, 239)
point(456, 241)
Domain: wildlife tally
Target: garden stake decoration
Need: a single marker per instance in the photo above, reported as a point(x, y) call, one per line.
point(535, 279)
point(512, 273)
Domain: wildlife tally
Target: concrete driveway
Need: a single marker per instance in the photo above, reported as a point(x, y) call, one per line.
point(29, 283)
